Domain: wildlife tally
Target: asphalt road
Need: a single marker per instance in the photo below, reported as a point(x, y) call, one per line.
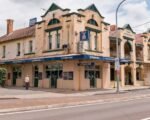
point(123, 110)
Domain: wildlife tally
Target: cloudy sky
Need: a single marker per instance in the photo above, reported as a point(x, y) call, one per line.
point(134, 12)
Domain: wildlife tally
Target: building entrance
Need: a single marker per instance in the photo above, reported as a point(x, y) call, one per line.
point(92, 78)
point(36, 76)
point(92, 73)
point(128, 76)
point(53, 73)
point(16, 75)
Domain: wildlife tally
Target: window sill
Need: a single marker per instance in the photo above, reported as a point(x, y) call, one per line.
point(53, 50)
point(29, 53)
point(94, 51)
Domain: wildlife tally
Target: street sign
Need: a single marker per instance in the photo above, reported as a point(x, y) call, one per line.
point(84, 36)
point(117, 64)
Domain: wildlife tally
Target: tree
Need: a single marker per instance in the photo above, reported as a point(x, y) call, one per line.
point(2, 76)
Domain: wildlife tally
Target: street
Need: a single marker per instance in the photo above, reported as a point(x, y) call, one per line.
point(122, 110)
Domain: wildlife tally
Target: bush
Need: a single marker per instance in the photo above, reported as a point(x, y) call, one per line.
point(2, 76)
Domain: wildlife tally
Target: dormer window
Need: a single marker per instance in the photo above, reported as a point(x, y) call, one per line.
point(92, 22)
point(53, 21)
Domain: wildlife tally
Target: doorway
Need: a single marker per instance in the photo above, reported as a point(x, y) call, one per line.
point(92, 73)
point(128, 76)
point(53, 73)
point(54, 78)
point(36, 76)
point(14, 78)
point(92, 79)
point(16, 75)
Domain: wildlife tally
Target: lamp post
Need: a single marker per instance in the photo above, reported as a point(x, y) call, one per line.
point(117, 46)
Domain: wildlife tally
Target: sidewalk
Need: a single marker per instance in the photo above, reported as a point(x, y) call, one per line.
point(18, 99)
point(34, 93)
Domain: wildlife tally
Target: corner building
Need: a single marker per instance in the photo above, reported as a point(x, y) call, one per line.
point(53, 55)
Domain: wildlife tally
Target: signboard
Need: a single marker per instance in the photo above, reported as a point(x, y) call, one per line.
point(117, 64)
point(32, 21)
point(86, 64)
point(84, 36)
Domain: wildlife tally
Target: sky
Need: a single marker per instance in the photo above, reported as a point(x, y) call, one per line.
point(133, 12)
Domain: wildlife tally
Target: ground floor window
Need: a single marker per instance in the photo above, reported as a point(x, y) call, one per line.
point(68, 75)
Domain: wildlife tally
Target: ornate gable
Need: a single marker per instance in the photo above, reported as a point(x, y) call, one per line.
point(93, 8)
point(52, 8)
point(128, 27)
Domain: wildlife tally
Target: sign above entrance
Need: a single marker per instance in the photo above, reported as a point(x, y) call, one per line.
point(86, 64)
point(84, 36)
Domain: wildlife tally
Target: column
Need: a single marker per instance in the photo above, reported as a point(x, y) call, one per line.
point(106, 75)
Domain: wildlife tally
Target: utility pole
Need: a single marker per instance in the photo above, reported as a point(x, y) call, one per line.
point(117, 61)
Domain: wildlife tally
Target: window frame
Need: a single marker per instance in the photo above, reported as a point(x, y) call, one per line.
point(30, 46)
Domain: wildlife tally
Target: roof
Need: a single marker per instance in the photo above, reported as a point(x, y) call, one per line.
point(127, 26)
point(92, 7)
point(18, 34)
point(54, 7)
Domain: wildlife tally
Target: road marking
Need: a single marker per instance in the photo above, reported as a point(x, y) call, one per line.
point(70, 106)
point(146, 118)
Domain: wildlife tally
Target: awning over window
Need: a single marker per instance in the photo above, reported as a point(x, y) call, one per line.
point(60, 57)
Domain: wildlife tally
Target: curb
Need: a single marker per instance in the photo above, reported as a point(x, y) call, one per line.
point(53, 106)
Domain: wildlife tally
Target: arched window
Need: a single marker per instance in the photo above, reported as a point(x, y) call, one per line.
point(127, 50)
point(92, 22)
point(53, 21)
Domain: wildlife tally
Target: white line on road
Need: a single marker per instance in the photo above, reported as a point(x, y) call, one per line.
point(146, 118)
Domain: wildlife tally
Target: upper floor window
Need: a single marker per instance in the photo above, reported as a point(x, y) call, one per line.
point(53, 21)
point(57, 40)
point(92, 22)
point(50, 41)
point(4, 52)
point(18, 49)
point(30, 46)
point(96, 37)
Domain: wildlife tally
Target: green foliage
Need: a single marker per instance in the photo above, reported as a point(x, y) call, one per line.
point(2, 76)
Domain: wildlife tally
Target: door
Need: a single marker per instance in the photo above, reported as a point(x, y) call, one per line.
point(92, 79)
point(54, 77)
point(130, 78)
point(14, 78)
point(36, 76)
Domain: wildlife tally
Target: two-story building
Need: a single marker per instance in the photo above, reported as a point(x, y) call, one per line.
point(133, 53)
point(53, 54)
point(74, 50)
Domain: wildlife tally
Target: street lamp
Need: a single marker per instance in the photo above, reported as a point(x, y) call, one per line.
point(117, 46)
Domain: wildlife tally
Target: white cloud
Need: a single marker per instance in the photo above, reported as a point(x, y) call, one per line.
point(132, 12)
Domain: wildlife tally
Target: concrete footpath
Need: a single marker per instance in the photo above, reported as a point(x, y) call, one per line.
point(18, 99)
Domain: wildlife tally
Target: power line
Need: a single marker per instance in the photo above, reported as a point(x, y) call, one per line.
point(141, 24)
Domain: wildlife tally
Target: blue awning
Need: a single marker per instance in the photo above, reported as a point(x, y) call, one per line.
point(125, 60)
point(61, 57)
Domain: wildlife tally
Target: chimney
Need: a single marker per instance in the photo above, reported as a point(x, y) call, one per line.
point(9, 26)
